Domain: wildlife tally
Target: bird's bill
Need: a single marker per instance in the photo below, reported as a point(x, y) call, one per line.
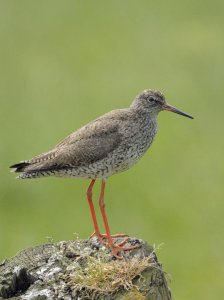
point(175, 110)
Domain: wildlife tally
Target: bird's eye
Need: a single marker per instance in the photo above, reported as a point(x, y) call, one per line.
point(152, 100)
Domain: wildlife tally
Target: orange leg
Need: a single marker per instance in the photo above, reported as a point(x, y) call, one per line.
point(93, 214)
point(92, 210)
point(102, 209)
point(115, 248)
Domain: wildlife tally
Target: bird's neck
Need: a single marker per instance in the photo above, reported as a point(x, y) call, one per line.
point(144, 113)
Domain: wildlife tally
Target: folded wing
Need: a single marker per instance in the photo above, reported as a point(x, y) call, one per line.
point(85, 146)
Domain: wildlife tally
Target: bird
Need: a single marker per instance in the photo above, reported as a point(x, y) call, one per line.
point(110, 144)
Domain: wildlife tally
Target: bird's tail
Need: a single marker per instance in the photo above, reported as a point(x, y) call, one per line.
point(20, 167)
point(28, 170)
point(38, 166)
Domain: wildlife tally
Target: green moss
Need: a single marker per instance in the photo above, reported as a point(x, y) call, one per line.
point(134, 294)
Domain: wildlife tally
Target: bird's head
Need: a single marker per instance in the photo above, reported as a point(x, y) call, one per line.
point(153, 102)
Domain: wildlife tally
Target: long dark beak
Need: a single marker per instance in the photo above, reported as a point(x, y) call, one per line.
point(175, 110)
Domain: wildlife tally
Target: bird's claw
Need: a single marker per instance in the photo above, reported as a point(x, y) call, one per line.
point(117, 248)
point(114, 247)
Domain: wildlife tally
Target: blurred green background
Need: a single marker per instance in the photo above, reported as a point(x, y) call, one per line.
point(62, 64)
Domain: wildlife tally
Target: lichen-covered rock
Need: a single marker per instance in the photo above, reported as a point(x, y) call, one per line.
point(83, 269)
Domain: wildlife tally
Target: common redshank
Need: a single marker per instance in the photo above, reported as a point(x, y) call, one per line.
point(110, 144)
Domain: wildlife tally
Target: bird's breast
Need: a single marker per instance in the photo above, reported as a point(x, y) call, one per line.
point(140, 139)
point(133, 146)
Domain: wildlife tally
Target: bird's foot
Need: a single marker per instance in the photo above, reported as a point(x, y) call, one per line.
point(100, 237)
point(117, 248)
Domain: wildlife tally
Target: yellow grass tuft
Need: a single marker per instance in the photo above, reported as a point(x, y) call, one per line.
point(107, 277)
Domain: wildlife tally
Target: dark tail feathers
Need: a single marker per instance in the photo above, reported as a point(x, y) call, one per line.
point(20, 167)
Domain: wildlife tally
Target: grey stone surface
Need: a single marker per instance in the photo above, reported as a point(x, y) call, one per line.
point(45, 272)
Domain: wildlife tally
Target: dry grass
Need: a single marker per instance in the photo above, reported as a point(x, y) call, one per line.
point(107, 277)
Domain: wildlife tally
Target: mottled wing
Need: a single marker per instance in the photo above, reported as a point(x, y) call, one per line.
point(87, 145)
point(89, 148)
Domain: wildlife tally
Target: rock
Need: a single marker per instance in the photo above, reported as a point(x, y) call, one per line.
point(83, 269)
